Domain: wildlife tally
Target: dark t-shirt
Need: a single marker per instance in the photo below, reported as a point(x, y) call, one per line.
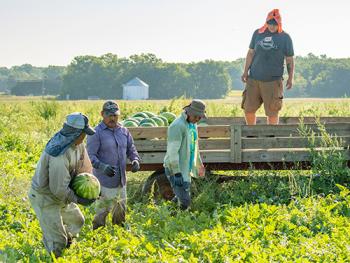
point(270, 51)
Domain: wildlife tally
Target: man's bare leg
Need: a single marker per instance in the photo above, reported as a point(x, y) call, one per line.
point(250, 118)
point(273, 120)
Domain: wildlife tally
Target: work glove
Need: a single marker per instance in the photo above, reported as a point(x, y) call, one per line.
point(84, 201)
point(135, 166)
point(107, 169)
point(178, 180)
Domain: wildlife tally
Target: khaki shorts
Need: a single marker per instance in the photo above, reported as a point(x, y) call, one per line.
point(257, 92)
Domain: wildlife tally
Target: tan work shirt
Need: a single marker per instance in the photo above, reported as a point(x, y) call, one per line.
point(53, 174)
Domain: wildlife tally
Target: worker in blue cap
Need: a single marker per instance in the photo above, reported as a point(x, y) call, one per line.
point(54, 202)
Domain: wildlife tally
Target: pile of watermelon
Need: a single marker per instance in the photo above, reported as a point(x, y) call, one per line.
point(149, 119)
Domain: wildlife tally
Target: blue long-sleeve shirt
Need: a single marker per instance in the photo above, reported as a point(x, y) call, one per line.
point(111, 146)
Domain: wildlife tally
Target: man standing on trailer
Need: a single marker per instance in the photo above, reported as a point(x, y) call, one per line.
point(182, 159)
point(263, 70)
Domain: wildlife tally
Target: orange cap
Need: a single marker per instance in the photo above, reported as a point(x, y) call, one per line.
point(274, 14)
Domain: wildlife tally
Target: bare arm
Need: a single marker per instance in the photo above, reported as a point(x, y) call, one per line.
point(290, 70)
point(248, 62)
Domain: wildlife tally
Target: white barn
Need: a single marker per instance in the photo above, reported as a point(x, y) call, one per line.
point(135, 89)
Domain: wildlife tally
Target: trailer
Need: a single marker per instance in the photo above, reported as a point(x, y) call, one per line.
point(226, 143)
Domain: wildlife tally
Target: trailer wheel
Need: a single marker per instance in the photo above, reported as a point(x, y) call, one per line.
point(157, 185)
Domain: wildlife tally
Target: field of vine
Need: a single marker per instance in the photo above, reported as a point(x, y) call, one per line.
point(269, 216)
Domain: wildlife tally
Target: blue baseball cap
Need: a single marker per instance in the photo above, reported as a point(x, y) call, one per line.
point(79, 121)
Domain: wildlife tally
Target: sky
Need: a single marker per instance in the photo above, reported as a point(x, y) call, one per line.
point(53, 32)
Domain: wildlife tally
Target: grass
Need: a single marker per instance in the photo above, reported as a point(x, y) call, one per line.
point(268, 216)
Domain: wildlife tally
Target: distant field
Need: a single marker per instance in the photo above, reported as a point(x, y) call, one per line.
point(229, 106)
point(233, 96)
point(28, 98)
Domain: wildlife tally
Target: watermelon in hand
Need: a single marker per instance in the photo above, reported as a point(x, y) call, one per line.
point(86, 185)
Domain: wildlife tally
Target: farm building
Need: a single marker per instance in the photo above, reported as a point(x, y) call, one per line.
point(135, 89)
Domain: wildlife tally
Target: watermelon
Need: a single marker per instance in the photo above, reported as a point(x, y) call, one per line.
point(86, 185)
point(149, 114)
point(147, 124)
point(149, 120)
point(159, 121)
point(129, 123)
point(140, 114)
point(138, 118)
point(133, 119)
point(169, 115)
point(165, 120)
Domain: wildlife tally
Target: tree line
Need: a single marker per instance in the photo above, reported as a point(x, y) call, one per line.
point(103, 76)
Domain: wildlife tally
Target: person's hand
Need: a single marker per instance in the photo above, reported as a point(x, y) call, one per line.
point(135, 166)
point(289, 83)
point(107, 169)
point(244, 77)
point(201, 171)
point(178, 179)
point(84, 201)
